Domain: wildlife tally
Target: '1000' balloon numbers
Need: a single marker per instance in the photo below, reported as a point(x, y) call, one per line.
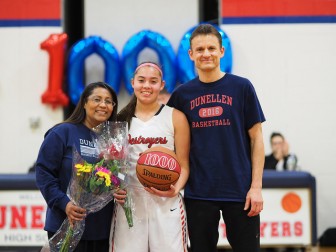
point(177, 68)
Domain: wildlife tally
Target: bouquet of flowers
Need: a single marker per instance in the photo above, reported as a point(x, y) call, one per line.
point(92, 185)
point(115, 149)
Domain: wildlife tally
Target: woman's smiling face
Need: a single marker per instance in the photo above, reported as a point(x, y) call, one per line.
point(98, 107)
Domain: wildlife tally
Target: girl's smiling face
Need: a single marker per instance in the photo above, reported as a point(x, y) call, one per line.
point(147, 84)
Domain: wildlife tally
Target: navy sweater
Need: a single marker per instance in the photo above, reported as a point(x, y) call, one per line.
point(53, 173)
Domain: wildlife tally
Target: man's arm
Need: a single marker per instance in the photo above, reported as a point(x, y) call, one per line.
point(254, 199)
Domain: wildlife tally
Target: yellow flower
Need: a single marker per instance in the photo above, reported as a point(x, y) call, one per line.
point(81, 168)
point(105, 176)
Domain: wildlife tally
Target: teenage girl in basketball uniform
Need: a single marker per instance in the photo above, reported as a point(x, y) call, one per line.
point(159, 216)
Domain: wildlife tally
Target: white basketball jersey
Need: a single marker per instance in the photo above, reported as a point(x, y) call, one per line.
point(157, 131)
point(159, 222)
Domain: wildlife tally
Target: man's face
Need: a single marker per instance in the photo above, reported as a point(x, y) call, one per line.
point(206, 52)
point(277, 143)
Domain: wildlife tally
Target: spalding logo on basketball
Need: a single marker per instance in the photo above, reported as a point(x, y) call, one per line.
point(158, 167)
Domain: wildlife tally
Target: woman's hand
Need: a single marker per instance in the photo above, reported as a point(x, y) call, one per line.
point(74, 213)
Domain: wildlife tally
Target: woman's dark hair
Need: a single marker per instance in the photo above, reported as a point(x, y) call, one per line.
point(205, 29)
point(128, 111)
point(78, 115)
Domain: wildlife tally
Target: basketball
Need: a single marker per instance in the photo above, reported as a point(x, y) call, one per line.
point(291, 202)
point(158, 167)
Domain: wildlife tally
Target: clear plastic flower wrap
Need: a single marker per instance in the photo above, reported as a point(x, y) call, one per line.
point(92, 185)
point(112, 145)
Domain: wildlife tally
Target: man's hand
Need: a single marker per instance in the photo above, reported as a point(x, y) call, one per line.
point(285, 149)
point(254, 201)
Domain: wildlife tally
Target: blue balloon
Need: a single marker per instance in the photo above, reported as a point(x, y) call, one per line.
point(186, 67)
point(160, 45)
point(77, 55)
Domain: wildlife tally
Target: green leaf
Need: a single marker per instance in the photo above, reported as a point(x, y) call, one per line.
point(100, 163)
point(92, 185)
point(99, 182)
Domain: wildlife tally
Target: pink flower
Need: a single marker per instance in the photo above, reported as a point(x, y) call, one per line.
point(115, 180)
point(102, 169)
point(116, 154)
point(101, 155)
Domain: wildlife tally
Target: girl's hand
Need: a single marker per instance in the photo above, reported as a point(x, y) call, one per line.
point(172, 192)
point(120, 196)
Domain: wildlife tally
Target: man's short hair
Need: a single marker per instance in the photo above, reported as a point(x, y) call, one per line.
point(275, 134)
point(205, 29)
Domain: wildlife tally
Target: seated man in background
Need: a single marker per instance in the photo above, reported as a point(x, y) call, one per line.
point(280, 159)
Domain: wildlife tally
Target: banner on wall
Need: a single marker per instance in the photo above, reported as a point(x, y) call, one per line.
point(18, 13)
point(285, 219)
point(277, 11)
point(22, 215)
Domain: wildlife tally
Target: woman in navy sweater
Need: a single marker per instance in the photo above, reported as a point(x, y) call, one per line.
point(98, 103)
